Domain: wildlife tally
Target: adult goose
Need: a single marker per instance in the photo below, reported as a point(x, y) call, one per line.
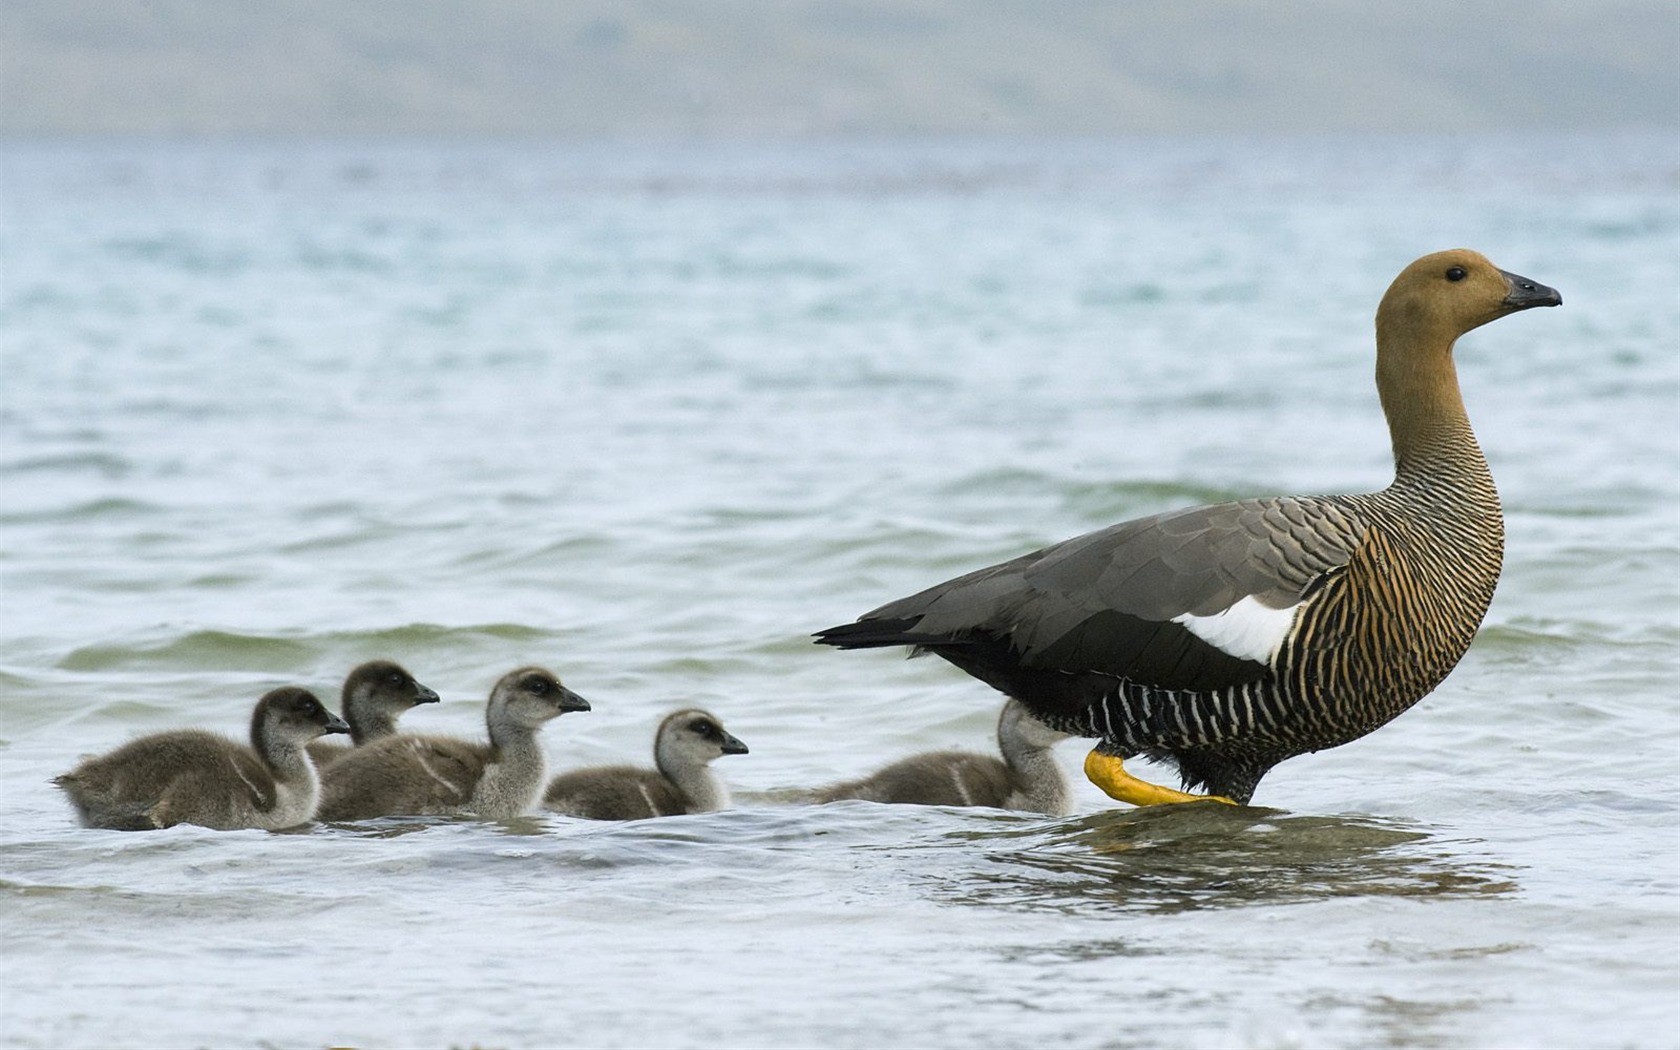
point(1027, 777)
point(684, 748)
point(192, 777)
point(374, 696)
point(1228, 638)
point(443, 776)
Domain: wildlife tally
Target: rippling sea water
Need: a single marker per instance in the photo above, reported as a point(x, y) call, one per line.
point(652, 414)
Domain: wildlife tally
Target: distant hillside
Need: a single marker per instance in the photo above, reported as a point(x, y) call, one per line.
point(792, 67)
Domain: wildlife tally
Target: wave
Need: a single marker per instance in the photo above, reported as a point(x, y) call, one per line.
point(206, 649)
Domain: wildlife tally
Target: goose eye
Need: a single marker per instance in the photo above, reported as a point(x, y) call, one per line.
point(1456, 273)
point(396, 678)
point(704, 728)
point(537, 686)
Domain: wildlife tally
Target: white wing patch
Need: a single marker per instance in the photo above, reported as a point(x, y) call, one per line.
point(1247, 630)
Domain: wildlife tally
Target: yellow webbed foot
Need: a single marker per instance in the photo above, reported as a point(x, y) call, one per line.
point(1109, 773)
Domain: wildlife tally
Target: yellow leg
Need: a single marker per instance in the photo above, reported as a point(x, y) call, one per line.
point(1109, 773)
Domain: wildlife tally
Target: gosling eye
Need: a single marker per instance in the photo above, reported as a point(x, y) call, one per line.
point(701, 727)
point(396, 678)
point(1456, 273)
point(537, 686)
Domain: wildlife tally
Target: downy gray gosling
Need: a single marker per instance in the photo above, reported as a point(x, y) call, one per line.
point(1027, 778)
point(189, 776)
point(445, 776)
point(683, 749)
point(374, 696)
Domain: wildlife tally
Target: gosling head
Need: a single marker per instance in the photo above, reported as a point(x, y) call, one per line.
point(376, 693)
point(292, 716)
point(1017, 727)
point(692, 738)
point(531, 696)
point(1448, 293)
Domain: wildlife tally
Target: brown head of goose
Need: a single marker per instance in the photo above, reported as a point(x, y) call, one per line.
point(684, 748)
point(192, 777)
point(374, 696)
point(1228, 638)
point(1028, 777)
point(439, 775)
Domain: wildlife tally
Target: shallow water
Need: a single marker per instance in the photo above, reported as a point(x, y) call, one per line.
point(650, 416)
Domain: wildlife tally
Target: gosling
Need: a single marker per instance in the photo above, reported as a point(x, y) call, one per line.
point(192, 777)
point(375, 695)
point(444, 776)
point(1028, 777)
point(683, 750)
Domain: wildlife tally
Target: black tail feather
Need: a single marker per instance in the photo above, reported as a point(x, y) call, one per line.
point(872, 634)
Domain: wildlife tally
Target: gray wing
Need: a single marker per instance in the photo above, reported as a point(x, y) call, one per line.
point(1108, 601)
point(614, 793)
point(935, 778)
point(400, 775)
point(120, 789)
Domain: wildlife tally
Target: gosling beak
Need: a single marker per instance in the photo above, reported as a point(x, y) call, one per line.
point(1522, 293)
point(570, 701)
point(423, 695)
point(335, 724)
point(732, 745)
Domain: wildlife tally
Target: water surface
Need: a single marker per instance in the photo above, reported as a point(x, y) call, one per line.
point(652, 414)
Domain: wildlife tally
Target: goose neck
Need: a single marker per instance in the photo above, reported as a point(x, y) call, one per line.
point(513, 742)
point(700, 788)
point(367, 723)
point(1427, 422)
point(1040, 781)
point(513, 776)
point(1039, 778)
point(285, 756)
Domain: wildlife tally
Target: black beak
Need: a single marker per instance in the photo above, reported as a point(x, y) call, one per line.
point(335, 724)
point(1524, 293)
point(423, 695)
point(732, 745)
point(570, 701)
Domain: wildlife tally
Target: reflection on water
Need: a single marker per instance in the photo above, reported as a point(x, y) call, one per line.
point(397, 827)
point(1394, 1021)
point(1185, 858)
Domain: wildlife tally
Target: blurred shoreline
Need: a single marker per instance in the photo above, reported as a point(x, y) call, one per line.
point(640, 69)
